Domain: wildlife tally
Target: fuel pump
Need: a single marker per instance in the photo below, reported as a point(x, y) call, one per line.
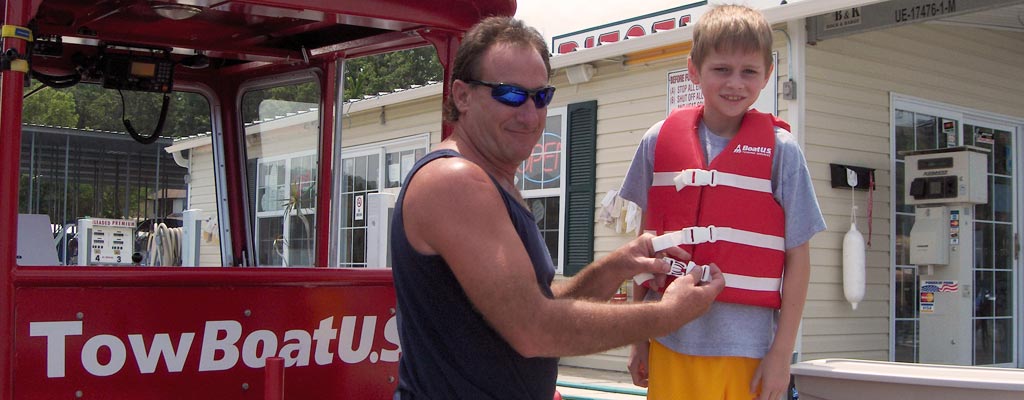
point(944, 185)
point(104, 241)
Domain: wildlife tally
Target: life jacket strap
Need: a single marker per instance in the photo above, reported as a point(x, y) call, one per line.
point(701, 177)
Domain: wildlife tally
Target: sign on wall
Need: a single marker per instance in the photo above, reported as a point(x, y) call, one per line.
point(887, 14)
point(643, 25)
point(630, 28)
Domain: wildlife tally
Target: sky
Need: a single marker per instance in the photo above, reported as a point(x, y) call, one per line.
point(557, 17)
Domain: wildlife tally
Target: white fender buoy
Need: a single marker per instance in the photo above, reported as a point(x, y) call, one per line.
point(853, 266)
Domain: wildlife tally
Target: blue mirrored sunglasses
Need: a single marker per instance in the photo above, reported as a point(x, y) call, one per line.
point(515, 96)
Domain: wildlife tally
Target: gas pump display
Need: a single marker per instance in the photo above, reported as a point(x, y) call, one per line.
point(944, 186)
point(107, 241)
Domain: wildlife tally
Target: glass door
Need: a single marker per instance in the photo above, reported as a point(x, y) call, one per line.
point(373, 168)
point(918, 125)
point(995, 258)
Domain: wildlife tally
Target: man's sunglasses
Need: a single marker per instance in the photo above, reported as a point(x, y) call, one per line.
point(515, 96)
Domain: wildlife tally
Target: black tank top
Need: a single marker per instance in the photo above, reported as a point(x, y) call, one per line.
point(448, 350)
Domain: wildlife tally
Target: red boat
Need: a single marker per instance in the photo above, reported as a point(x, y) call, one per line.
point(261, 318)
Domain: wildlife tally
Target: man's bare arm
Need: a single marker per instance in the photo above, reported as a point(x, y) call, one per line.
point(453, 209)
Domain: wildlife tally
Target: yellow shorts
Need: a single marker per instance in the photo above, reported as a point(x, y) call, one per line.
point(676, 376)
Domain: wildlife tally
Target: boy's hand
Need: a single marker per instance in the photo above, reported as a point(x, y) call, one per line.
point(638, 357)
point(772, 377)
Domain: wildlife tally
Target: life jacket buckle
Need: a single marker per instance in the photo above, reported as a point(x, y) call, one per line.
point(699, 234)
point(695, 177)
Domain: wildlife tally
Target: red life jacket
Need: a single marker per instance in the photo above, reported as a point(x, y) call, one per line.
point(727, 209)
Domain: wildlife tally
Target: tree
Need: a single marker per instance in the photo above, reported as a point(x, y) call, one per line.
point(389, 71)
point(90, 106)
point(50, 107)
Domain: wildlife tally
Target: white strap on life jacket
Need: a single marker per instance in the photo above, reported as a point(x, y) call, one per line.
point(711, 234)
point(735, 281)
point(701, 177)
point(677, 268)
point(752, 283)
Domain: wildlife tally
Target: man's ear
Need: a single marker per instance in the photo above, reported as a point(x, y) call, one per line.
point(460, 95)
point(694, 71)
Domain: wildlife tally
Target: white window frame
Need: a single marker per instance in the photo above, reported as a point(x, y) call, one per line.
point(287, 158)
point(382, 148)
point(560, 190)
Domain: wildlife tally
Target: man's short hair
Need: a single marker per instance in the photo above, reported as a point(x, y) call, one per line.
point(730, 28)
point(483, 36)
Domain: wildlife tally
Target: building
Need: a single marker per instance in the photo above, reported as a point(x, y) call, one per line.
point(861, 82)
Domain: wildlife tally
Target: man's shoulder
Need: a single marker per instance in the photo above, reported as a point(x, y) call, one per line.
point(450, 170)
point(451, 179)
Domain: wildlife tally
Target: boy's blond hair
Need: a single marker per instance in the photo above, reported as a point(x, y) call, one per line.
point(729, 28)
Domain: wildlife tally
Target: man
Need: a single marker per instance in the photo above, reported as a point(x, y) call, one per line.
point(478, 317)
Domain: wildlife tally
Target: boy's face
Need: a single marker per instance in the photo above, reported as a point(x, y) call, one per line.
point(730, 82)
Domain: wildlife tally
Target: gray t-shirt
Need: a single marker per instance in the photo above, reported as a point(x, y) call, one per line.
point(729, 329)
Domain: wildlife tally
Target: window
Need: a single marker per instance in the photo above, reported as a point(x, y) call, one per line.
point(78, 165)
point(282, 126)
point(374, 168)
point(540, 181)
point(286, 209)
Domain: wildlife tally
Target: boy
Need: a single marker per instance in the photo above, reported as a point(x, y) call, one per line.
point(738, 176)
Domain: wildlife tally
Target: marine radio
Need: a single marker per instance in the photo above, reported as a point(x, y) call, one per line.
point(137, 73)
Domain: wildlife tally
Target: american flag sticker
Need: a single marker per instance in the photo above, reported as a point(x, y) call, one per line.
point(940, 287)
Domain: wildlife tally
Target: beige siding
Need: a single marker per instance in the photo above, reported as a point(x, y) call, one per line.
point(630, 99)
point(283, 137)
point(400, 120)
point(203, 195)
point(849, 81)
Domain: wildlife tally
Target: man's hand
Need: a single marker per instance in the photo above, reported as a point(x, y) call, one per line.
point(638, 256)
point(692, 300)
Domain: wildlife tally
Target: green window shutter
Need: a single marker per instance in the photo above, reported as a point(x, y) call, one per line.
point(580, 187)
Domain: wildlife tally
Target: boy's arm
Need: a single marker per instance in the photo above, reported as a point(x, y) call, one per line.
point(772, 376)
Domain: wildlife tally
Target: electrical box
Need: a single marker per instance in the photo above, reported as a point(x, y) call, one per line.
point(192, 226)
point(379, 210)
point(103, 241)
point(945, 176)
point(930, 236)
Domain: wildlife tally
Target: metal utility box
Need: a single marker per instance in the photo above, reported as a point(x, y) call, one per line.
point(103, 241)
point(944, 176)
point(379, 210)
